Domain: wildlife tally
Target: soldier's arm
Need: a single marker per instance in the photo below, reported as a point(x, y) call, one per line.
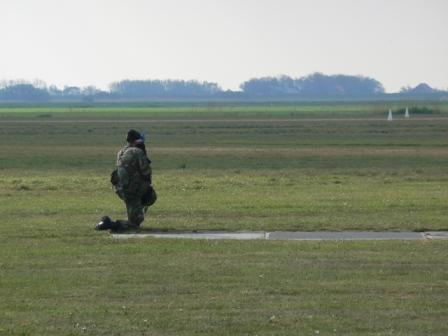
point(145, 167)
point(119, 154)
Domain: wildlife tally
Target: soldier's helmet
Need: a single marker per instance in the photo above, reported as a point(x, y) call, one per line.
point(132, 136)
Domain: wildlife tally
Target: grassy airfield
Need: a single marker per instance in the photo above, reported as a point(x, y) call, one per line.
point(249, 167)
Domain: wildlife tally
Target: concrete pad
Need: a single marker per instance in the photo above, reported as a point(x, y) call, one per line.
point(436, 235)
point(279, 235)
point(195, 235)
point(345, 235)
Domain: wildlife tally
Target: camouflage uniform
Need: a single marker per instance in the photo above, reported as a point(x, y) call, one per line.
point(134, 173)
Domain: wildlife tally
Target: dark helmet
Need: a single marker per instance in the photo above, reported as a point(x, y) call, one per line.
point(132, 136)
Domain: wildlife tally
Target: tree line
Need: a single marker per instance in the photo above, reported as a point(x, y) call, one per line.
point(314, 86)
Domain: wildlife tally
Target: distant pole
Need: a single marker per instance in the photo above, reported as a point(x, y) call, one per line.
point(390, 118)
point(406, 113)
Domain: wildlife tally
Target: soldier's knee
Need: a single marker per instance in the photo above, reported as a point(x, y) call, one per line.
point(135, 211)
point(137, 219)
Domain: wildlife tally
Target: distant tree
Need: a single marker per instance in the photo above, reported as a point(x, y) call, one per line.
point(136, 88)
point(318, 84)
point(23, 92)
point(423, 88)
point(90, 91)
point(54, 91)
point(180, 88)
point(314, 85)
point(405, 89)
point(163, 89)
point(271, 86)
point(39, 84)
point(71, 91)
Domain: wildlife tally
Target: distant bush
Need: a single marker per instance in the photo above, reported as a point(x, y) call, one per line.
point(419, 110)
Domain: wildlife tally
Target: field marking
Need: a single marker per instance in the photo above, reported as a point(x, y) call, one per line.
point(232, 120)
point(301, 236)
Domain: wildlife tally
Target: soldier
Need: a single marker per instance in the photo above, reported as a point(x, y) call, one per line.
point(132, 182)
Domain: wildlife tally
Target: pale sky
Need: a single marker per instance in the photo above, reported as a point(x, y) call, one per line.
point(96, 42)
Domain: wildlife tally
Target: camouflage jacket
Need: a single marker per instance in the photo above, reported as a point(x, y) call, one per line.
point(134, 171)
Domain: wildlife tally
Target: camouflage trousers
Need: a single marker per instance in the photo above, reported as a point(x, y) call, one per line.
point(135, 211)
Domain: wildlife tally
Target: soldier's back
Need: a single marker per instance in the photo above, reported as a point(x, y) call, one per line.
point(128, 165)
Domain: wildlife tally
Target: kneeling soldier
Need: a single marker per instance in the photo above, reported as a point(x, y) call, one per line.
point(132, 182)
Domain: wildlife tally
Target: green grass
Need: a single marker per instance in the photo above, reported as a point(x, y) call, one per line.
point(247, 174)
point(213, 200)
point(217, 109)
point(92, 285)
point(247, 171)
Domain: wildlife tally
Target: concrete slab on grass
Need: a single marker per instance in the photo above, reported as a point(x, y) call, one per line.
point(345, 235)
point(282, 235)
point(196, 235)
point(436, 235)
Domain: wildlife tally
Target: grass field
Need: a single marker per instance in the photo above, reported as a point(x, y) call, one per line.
point(217, 109)
point(224, 168)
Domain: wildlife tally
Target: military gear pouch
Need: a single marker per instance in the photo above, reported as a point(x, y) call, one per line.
point(150, 197)
point(114, 178)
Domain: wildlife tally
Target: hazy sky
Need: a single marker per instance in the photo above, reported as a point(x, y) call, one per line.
point(82, 42)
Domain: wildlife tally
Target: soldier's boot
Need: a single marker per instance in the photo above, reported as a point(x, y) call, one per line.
point(123, 225)
point(106, 224)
